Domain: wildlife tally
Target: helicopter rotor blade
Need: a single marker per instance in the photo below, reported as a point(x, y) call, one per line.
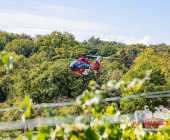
point(82, 54)
point(109, 57)
point(71, 52)
point(91, 56)
point(66, 51)
point(101, 56)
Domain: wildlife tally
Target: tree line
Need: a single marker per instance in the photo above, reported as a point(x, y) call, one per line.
point(41, 69)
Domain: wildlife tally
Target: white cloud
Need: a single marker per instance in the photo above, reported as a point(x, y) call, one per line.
point(81, 36)
point(18, 19)
point(19, 22)
point(63, 10)
point(145, 40)
point(31, 32)
point(15, 19)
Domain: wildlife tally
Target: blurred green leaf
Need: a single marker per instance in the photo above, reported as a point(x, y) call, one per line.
point(26, 107)
point(49, 112)
point(111, 110)
point(44, 133)
point(7, 60)
point(90, 134)
point(29, 136)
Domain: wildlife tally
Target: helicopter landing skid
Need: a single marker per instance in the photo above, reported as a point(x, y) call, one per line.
point(72, 74)
point(84, 77)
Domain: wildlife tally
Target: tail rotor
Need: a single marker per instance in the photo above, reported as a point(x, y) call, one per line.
point(96, 66)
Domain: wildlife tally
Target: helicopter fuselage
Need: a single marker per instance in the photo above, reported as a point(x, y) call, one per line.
point(82, 66)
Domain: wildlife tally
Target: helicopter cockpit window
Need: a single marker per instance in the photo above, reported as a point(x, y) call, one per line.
point(87, 66)
point(77, 65)
point(74, 66)
point(72, 63)
point(83, 66)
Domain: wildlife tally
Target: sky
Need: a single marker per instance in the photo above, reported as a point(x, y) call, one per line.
point(125, 21)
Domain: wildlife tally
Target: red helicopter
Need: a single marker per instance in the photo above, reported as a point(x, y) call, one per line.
point(82, 65)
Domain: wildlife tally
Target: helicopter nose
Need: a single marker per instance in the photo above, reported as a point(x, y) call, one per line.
point(74, 68)
point(71, 67)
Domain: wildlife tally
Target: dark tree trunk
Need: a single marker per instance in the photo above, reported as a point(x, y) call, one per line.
point(69, 93)
point(35, 128)
point(27, 129)
point(22, 130)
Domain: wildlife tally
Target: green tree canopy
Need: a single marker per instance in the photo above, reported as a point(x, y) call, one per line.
point(47, 81)
point(20, 46)
point(156, 83)
point(59, 41)
point(5, 38)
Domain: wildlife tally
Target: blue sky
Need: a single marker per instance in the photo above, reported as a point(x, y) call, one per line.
point(126, 21)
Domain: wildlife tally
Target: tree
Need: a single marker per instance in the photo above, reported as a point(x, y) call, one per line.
point(116, 71)
point(163, 49)
point(94, 41)
point(21, 46)
point(147, 60)
point(4, 87)
point(47, 81)
point(134, 50)
point(51, 46)
point(5, 38)
point(107, 50)
point(6, 60)
point(123, 58)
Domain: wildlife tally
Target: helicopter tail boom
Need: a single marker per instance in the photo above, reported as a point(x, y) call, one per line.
point(96, 65)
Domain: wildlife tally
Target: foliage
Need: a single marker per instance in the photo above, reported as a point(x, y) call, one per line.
point(18, 60)
point(4, 135)
point(95, 46)
point(4, 87)
point(41, 71)
point(47, 81)
point(21, 46)
point(104, 123)
point(146, 60)
point(53, 44)
point(5, 38)
point(6, 60)
point(26, 108)
point(69, 110)
point(134, 50)
point(123, 58)
point(116, 71)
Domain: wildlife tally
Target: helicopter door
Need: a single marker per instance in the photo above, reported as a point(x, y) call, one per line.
point(87, 69)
